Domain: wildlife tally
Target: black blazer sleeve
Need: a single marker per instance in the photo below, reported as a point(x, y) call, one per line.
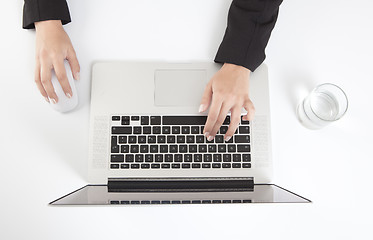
point(250, 23)
point(40, 10)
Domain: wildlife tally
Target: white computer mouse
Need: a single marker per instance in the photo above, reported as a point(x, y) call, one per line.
point(64, 103)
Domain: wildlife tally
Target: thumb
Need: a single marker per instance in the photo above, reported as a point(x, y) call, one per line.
point(74, 63)
point(206, 98)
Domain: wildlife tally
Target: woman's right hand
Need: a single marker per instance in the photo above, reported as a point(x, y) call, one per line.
point(53, 46)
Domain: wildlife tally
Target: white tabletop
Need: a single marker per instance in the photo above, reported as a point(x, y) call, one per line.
point(44, 154)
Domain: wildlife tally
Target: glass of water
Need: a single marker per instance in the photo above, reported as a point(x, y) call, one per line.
point(325, 104)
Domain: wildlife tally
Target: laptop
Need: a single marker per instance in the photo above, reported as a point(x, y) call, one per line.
point(146, 143)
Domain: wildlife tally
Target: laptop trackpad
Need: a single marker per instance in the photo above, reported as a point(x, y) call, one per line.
point(179, 87)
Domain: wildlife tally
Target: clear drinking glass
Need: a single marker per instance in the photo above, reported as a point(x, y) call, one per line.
point(325, 104)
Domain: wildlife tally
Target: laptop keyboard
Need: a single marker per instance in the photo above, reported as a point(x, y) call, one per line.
point(176, 142)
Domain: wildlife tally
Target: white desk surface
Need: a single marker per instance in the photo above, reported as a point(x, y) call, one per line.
point(44, 154)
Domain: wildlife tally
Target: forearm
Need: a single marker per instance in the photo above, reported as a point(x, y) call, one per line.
point(42, 10)
point(250, 23)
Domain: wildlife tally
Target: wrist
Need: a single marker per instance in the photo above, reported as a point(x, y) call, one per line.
point(236, 68)
point(48, 25)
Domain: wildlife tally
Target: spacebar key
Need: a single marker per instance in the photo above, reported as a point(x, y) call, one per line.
point(184, 120)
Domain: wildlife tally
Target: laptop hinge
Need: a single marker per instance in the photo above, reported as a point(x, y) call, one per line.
point(180, 184)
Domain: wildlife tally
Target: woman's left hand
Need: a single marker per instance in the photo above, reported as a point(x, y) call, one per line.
point(228, 90)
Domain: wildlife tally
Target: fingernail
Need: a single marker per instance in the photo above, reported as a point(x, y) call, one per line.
point(210, 138)
point(53, 100)
point(68, 95)
point(77, 76)
point(46, 99)
point(201, 108)
point(206, 134)
point(227, 138)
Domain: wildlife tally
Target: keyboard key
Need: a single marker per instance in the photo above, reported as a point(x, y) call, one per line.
point(178, 158)
point(223, 129)
point(202, 148)
point(148, 157)
point(190, 139)
point(184, 120)
point(216, 165)
point(243, 148)
point(196, 201)
point(141, 139)
point(155, 120)
point(125, 120)
point(212, 148)
point(197, 158)
point(242, 139)
point(217, 157)
point(135, 202)
point(244, 121)
point(134, 148)
point(124, 149)
point(175, 165)
point(194, 130)
point(153, 148)
point(165, 202)
point(212, 141)
point(114, 166)
point(122, 139)
point(236, 157)
point(135, 166)
point(231, 148)
point(226, 157)
point(173, 149)
point(196, 165)
point(165, 165)
point(139, 158)
point(115, 149)
point(185, 130)
point(130, 158)
point(137, 130)
point(171, 139)
point(181, 139)
point(246, 157)
point(206, 165)
point(161, 139)
point(125, 166)
point(192, 148)
point(158, 158)
point(168, 158)
point(115, 118)
point(216, 201)
point(244, 129)
point(145, 202)
point(157, 130)
point(185, 165)
point(176, 130)
point(236, 165)
point(202, 128)
point(166, 130)
point(185, 202)
point(152, 139)
point(121, 130)
point(230, 140)
point(226, 165)
point(227, 120)
point(145, 165)
point(200, 139)
point(135, 118)
point(207, 157)
point(146, 130)
point(114, 140)
point(144, 120)
point(183, 148)
point(222, 148)
point(206, 201)
point(219, 138)
point(115, 158)
point(246, 165)
point(155, 165)
point(156, 202)
point(163, 148)
point(187, 157)
point(132, 139)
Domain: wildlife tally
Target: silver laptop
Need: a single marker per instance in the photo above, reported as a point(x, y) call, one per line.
point(147, 145)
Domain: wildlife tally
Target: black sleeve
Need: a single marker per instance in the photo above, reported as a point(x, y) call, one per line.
point(40, 10)
point(250, 23)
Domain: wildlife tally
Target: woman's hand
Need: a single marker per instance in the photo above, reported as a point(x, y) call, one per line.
point(228, 90)
point(53, 46)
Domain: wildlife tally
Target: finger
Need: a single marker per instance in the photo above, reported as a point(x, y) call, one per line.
point(249, 107)
point(74, 63)
point(221, 118)
point(206, 98)
point(235, 121)
point(212, 116)
point(46, 75)
point(38, 82)
point(59, 69)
